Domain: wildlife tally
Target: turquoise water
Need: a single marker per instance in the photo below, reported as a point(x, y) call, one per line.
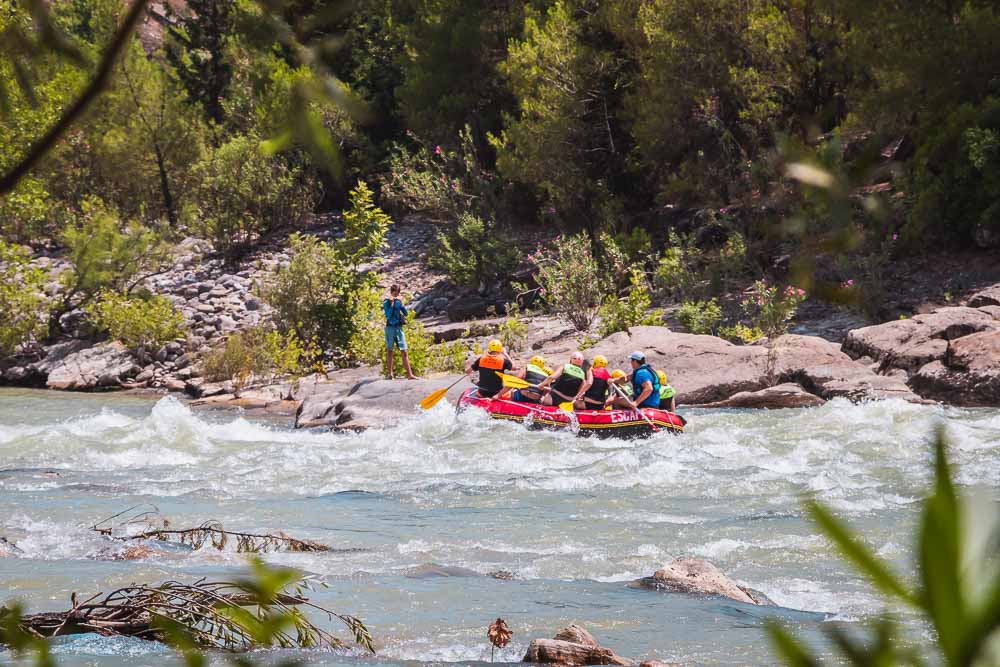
point(574, 520)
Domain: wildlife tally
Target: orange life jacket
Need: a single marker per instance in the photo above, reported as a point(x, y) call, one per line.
point(492, 361)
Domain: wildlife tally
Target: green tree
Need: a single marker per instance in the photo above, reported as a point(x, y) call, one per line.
point(562, 139)
point(474, 253)
point(197, 48)
point(106, 255)
point(324, 285)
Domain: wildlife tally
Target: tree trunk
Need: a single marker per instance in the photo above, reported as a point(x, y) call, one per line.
point(168, 199)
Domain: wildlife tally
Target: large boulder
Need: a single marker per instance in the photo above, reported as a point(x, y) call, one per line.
point(101, 366)
point(707, 370)
point(968, 375)
point(913, 343)
point(987, 297)
point(371, 402)
point(694, 576)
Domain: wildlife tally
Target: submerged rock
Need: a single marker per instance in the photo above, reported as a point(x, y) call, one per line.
point(694, 576)
point(786, 395)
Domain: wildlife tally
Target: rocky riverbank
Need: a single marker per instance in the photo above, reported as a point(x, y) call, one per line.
point(950, 354)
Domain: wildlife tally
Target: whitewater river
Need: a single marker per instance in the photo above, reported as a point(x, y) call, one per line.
point(574, 520)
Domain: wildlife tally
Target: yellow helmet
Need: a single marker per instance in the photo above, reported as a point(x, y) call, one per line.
point(600, 361)
point(662, 376)
point(617, 373)
point(494, 346)
point(537, 361)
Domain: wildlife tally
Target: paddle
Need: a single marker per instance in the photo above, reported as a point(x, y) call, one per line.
point(515, 382)
point(649, 421)
point(435, 398)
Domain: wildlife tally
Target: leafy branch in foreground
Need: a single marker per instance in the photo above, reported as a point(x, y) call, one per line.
point(264, 610)
point(957, 590)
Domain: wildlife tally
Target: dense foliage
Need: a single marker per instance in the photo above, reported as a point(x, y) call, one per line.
point(570, 112)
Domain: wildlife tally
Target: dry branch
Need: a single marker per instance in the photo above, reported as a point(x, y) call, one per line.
point(210, 532)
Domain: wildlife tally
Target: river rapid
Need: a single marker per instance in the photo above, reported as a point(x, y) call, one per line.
point(573, 519)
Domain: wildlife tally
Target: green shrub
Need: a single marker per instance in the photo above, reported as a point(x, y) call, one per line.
point(513, 331)
point(633, 310)
point(771, 309)
point(142, 325)
point(25, 212)
point(473, 252)
point(107, 255)
point(623, 251)
point(676, 273)
point(740, 333)
point(243, 194)
point(260, 355)
point(319, 294)
point(23, 316)
point(571, 282)
point(700, 317)
point(732, 262)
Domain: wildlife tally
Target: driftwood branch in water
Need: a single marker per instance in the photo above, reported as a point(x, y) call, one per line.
point(210, 532)
point(204, 609)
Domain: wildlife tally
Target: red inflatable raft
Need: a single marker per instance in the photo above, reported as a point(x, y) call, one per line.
point(601, 423)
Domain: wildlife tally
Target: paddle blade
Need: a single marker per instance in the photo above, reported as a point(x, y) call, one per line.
point(513, 381)
point(433, 399)
point(566, 407)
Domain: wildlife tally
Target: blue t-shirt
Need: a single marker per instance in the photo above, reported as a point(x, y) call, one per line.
point(641, 375)
point(395, 312)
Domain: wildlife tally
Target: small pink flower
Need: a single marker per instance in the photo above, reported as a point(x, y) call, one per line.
point(895, 236)
point(802, 292)
point(437, 150)
point(552, 210)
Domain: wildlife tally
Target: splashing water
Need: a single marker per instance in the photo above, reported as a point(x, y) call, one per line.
point(573, 519)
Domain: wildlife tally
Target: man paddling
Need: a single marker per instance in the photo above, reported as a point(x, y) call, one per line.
point(489, 365)
point(645, 384)
point(568, 383)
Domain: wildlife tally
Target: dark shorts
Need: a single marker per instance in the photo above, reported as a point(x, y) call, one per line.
point(522, 397)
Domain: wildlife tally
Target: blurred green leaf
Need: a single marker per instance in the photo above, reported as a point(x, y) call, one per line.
point(858, 554)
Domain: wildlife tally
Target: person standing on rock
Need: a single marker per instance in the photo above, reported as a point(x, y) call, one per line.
point(645, 384)
point(489, 365)
point(395, 317)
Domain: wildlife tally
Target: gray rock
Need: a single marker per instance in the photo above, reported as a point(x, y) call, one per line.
point(184, 360)
point(370, 402)
point(694, 576)
point(987, 297)
point(787, 395)
point(441, 304)
point(969, 375)
point(910, 344)
point(467, 308)
point(104, 365)
point(252, 303)
point(225, 323)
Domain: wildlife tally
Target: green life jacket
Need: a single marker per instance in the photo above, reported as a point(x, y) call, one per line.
point(570, 380)
point(535, 374)
point(667, 392)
